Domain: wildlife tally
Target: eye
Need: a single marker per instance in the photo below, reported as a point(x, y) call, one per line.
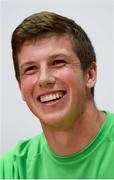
point(58, 62)
point(30, 69)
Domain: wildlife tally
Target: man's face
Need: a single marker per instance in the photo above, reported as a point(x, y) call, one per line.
point(51, 80)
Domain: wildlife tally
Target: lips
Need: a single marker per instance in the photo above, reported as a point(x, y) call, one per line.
point(53, 96)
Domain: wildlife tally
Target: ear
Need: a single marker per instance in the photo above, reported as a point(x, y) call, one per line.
point(91, 75)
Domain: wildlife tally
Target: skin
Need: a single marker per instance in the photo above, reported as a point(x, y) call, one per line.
point(49, 65)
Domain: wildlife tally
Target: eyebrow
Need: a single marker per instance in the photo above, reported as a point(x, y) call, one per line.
point(59, 55)
point(26, 63)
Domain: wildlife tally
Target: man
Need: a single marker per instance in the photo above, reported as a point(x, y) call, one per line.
point(55, 66)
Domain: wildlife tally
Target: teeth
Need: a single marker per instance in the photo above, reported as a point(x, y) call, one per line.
point(51, 97)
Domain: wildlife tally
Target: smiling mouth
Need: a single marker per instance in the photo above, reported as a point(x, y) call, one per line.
point(51, 97)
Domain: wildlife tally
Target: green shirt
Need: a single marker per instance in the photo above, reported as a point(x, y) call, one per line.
point(33, 159)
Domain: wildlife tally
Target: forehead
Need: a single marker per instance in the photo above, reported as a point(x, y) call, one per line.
point(47, 45)
point(49, 38)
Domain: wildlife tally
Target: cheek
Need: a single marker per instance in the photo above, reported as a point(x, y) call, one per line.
point(66, 75)
point(27, 85)
point(71, 78)
point(74, 80)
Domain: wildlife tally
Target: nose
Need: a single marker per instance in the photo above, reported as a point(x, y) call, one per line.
point(46, 78)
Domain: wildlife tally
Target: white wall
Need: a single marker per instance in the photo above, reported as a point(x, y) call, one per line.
point(96, 17)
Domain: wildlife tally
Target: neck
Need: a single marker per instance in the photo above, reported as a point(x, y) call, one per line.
point(65, 142)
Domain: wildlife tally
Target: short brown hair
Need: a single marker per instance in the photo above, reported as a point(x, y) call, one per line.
point(47, 22)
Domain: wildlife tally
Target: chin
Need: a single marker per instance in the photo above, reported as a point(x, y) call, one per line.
point(55, 122)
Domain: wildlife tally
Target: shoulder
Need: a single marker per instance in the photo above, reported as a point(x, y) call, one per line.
point(30, 147)
point(109, 120)
point(5, 163)
point(24, 149)
point(110, 117)
point(109, 126)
